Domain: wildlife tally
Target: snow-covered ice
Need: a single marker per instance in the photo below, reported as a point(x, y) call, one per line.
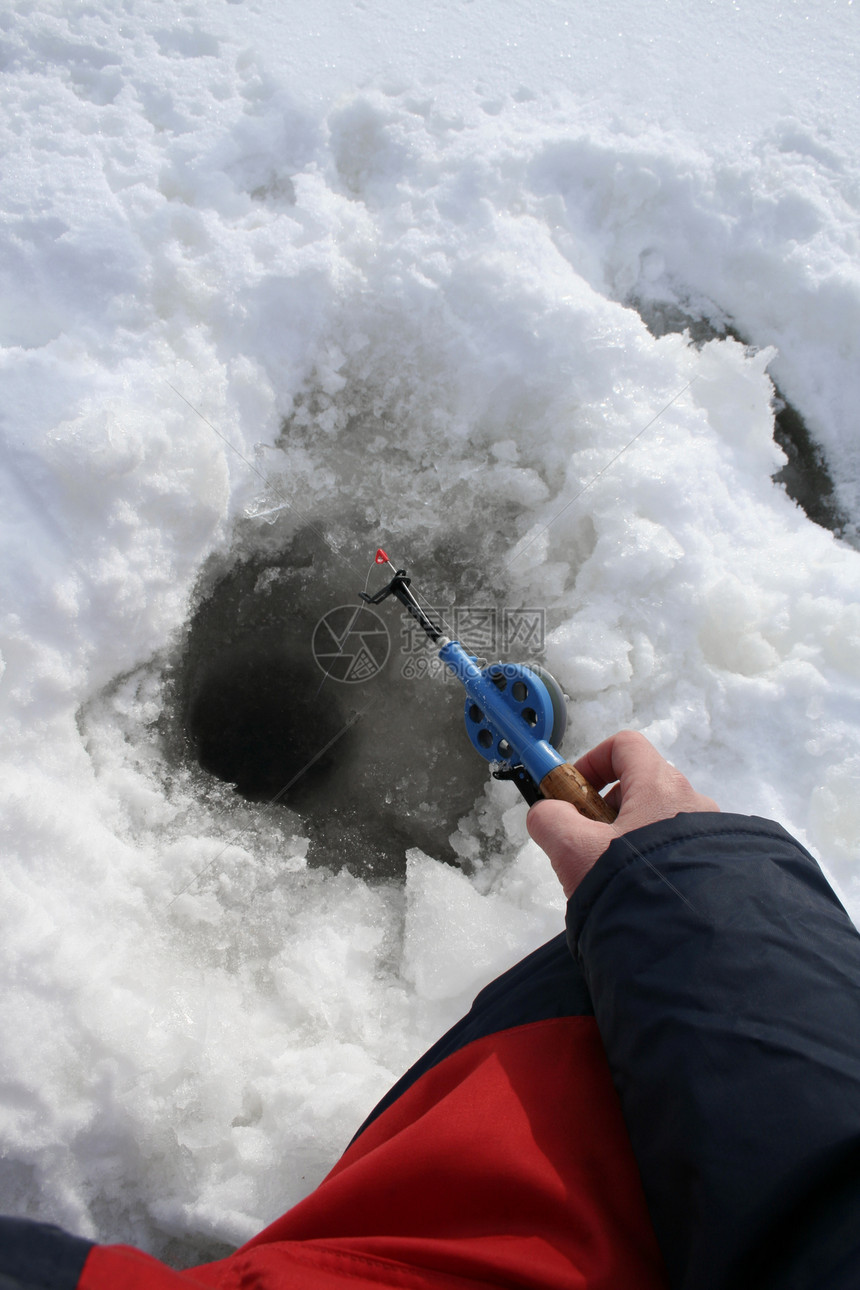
point(344, 275)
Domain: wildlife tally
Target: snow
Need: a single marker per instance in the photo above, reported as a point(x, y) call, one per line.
point(422, 243)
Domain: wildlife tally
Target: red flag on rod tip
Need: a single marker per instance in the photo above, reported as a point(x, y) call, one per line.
point(381, 557)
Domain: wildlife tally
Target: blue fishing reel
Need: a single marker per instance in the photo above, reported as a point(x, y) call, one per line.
point(535, 704)
point(515, 715)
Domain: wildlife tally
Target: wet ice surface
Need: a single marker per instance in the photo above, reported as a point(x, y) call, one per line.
point(395, 270)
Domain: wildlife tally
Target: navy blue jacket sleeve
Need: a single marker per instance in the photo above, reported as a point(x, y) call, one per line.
point(725, 978)
point(39, 1256)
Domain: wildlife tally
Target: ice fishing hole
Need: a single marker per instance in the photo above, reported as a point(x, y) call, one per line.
point(369, 769)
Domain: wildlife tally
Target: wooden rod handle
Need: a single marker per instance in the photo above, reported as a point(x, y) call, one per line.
point(567, 785)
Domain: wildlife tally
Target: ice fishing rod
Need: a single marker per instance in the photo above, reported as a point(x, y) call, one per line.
point(515, 715)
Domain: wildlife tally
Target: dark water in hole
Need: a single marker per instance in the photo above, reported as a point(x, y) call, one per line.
point(373, 766)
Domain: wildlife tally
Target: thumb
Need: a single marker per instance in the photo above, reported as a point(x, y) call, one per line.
point(572, 842)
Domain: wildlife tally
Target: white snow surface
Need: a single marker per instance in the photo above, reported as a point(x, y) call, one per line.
point(417, 234)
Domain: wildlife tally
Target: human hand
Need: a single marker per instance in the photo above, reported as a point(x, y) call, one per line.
point(649, 789)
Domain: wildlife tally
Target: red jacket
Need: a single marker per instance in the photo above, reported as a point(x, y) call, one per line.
point(672, 1097)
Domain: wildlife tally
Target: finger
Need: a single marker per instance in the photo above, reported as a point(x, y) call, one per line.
point(596, 764)
point(626, 756)
point(572, 842)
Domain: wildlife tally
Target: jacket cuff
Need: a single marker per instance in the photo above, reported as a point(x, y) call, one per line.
point(641, 849)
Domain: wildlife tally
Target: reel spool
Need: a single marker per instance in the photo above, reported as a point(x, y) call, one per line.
point(535, 698)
